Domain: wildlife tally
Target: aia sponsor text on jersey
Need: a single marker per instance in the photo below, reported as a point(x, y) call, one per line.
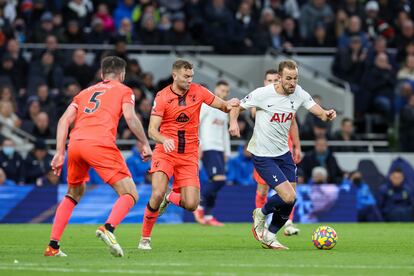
point(281, 117)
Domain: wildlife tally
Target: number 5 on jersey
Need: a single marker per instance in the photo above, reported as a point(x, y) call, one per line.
point(94, 99)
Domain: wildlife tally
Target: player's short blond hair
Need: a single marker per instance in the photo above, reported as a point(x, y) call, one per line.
point(179, 64)
point(289, 64)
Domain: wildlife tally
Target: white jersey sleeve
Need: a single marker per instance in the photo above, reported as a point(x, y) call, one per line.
point(251, 100)
point(306, 98)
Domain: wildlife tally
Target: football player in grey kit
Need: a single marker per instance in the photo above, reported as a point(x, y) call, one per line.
point(276, 105)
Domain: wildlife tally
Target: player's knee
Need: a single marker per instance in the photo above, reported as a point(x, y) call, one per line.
point(157, 196)
point(189, 204)
point(290, 197)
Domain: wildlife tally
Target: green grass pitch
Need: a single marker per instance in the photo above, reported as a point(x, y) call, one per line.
point(189, 249)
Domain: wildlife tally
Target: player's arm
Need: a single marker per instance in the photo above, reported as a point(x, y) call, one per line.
point(324, 115)
point(294, 134)
point(135, 125)
point(154, 134)
point(234, 125)
point(62, 133)
point(225, 106)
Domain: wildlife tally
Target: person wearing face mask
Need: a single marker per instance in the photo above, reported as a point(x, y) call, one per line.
point(366, 203)
point(10, 160)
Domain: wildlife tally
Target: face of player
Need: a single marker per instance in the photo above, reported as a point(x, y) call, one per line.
point(222, 91)
point(183, 78)
point(289, 80)
point(270, 78)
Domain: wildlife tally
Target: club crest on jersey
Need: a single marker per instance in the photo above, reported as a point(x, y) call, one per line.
point(182, 118)
point(281, 117)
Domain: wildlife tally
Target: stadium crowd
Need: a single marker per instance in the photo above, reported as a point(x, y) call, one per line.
point(36, 88)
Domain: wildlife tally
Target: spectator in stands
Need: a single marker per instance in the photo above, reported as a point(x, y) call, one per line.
point(319, 176)
point(148, 85)
point(9, 73)
point(314, 12)
point(291, 33)
point(349, 63)
point(406, 126)
point(396, 200)
point(374, 25)
point(133, 72)
point(73, 33)
point(98, 34)
point(37, 164)
point(320, 38)
point(321, 156)
point(41, 128)
point(353, 29)
point(380, 81)
point(346, 133)
point(71, 89)
point(407, 34)
point(402, 53)
point(46, 101)
point(240, 168)
point(341, 22)
point(123, 10)
point(46, 70)
point(79, 69)
point(126, 32)
point(20, 64)
point(148, 33)
point(351, 7)
point(220, 27)
point(366, 203)
point(137, 167)
point(31, 110)
point(178, 34)
point(78, 10)
point(406, 72)
point(19, 30)
point(103, 14)
point(4, 181)
point(45, 29)
point(8, 118)
point(275, 39)
point(380, 46)
point(10, 160)
point(7, 95)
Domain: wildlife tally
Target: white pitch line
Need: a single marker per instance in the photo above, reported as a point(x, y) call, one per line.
point(265, 265)
point(136, 272)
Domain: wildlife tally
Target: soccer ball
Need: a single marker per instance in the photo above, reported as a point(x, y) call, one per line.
point(324, 237)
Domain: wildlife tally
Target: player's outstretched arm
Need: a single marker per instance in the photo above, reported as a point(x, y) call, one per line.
point(324, 115)
point(62, 133)
point(225, 106)
point(136, 127)
point(154, 134)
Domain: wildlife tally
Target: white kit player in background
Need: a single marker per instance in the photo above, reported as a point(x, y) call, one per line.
point(276, 106)
point(214, 151)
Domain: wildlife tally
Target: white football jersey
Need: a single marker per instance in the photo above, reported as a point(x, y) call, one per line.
point(214, 134)
point(273, 118)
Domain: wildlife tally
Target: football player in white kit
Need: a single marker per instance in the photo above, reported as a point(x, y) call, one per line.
point(215, 149)
point(276, 105)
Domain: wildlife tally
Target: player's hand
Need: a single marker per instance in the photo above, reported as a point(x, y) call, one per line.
point(57, 163)
point(146, 152)
point(330, 114)
point(234, 102)
point(297, 155)
point(234, 129)
point(168, 145)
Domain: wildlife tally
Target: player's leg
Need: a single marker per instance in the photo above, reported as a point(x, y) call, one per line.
point(62, 216)
point(159, 189)
point(190, 197)
point(290, 228)
point(261, 191)
point(124, 186)
point(280, 204)
point(213, 162)
point(77, 177)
